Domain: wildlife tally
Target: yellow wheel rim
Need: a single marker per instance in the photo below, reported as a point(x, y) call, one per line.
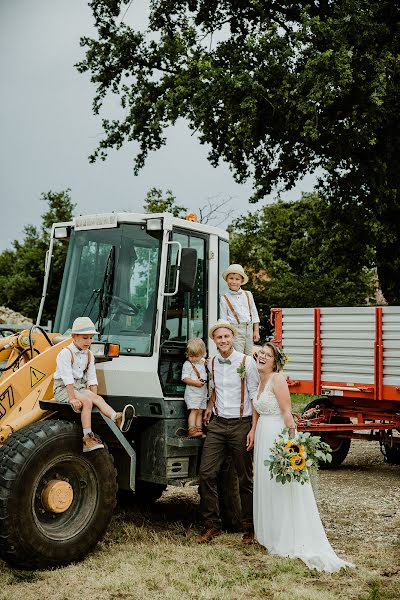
point(57, 496)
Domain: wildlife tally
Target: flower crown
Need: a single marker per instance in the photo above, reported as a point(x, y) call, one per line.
point(281, 358)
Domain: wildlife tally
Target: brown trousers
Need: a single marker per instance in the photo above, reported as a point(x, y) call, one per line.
point(226, 436)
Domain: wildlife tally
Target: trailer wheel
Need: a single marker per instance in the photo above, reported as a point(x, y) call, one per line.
point(56, 501)
point(391, 454)
point(340, 446)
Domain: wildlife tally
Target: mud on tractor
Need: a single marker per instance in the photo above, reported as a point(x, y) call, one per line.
point(350, 358)
point(149, 282)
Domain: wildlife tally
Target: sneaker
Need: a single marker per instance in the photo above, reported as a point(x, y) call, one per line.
point(92, 442)
point(123, 420)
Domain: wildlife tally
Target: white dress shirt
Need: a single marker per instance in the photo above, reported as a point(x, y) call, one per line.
point(68, 372)
point(227, 384)
point(241, 306)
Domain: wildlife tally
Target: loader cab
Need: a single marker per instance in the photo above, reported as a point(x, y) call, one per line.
point(150, 283)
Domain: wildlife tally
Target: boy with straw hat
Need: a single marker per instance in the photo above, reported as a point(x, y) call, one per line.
point(238, 308)
point(75, 382)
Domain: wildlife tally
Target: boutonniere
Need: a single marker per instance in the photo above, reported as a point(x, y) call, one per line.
point(241, 370)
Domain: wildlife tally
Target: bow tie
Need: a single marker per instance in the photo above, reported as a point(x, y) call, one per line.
point(224, 361)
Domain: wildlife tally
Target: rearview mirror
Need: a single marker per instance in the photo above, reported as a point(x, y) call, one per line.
point(188, 270)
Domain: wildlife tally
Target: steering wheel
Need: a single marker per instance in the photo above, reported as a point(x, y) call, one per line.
point(130, 309)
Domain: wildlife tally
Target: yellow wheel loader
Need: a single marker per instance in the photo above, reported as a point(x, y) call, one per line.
point(149, 282)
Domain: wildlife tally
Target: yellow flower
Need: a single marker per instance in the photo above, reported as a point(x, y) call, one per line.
point(298, 462)
point(294, 448)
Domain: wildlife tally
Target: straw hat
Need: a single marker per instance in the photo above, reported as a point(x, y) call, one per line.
point(221, 323)
point(238, 270)
point(83, 325)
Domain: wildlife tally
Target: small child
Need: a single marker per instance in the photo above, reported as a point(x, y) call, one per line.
point(238, 308)
point(75, 372)
point(194, 374)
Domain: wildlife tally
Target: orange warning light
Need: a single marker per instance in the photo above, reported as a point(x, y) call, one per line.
point(192, 217)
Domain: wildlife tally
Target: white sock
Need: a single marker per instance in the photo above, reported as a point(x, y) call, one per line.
point(87, 430)
point(113, 415)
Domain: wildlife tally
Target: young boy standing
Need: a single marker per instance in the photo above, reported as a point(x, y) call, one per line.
point(75, 373)
point(237, 307)
point(194, 375)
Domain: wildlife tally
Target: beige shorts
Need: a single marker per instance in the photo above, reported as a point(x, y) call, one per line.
point(60, 389)
point(243, 341)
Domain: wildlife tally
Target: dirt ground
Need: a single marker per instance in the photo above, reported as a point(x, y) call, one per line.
point(149, 553)
point(360, 499)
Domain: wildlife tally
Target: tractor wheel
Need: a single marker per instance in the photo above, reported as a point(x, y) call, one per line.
point(391, 453)
point(56, 501)
point(340, 446)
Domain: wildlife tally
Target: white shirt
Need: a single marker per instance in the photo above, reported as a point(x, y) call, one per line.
point(228, 385)
point(193, 393)
point(241, 307)
point(189, 373)
point(68, 372)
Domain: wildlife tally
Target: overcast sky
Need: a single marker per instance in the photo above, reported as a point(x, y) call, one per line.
point(48, 129)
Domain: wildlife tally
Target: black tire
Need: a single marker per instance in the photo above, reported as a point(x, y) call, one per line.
point(146, 493)
point(340, 446)
point(391, 453)
point(31, 536)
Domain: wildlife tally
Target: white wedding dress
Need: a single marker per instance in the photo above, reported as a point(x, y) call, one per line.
point(286, 517)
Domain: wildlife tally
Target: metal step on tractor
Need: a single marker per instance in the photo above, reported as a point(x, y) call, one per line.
point(149, 282)
point(349, 357)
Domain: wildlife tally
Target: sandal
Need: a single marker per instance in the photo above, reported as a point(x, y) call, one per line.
point(202, 434)
point(195, 432)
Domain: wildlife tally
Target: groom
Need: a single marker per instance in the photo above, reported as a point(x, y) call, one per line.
point(230, 431)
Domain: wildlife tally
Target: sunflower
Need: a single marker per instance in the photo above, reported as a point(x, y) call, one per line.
point(298, 462)
point(294, 448)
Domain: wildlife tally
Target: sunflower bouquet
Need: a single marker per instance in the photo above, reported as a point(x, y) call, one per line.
point(294, 459)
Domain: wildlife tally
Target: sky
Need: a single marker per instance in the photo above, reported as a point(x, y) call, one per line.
point(48, 129)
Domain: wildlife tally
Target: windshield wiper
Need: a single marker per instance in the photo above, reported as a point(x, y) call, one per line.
point(105, 292)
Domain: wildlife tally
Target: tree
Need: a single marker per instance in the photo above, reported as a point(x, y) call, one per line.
point(22, 268)
point(157, 202)
point(213, 210)
point(290, 251)
point(277, 89)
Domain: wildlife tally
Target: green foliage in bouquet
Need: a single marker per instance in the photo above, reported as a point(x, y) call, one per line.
point(294, 459)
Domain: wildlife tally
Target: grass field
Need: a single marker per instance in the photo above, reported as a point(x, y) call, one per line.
point(151, 553)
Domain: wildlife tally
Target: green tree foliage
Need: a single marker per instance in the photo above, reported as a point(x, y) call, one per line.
point(22, 268)
point(157, 202)
point(277, 89)
point(304, 254)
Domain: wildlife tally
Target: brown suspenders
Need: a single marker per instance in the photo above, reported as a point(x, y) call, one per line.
point(88, 362)
point(229, 303)
point(195, 369)
point(214, 395)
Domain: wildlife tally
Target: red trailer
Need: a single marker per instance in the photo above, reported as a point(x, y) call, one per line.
point(350, 357)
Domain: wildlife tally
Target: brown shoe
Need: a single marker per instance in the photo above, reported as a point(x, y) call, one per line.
point(92, 442)
point(123, 420)
point(248, 538)
point(208, 534)
point(195, 432)
point(202, 435)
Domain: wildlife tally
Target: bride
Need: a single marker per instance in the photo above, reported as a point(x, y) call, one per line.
point(286, 518)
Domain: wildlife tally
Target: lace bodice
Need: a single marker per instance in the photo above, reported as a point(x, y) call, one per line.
point(266, 402)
